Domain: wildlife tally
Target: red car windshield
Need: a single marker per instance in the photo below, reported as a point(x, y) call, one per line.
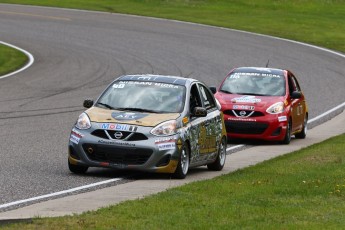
point(253, 83)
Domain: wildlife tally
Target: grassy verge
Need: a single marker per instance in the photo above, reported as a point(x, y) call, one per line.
point(11, 59)
point(319, 22)
point(302, 190)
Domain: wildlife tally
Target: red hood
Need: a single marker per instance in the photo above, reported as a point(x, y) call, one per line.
point(260, 102)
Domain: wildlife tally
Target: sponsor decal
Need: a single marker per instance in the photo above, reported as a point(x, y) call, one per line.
point(122, 84)
point(246, 74)
point(164, 85)
point(165, 139)
point(74, 139)
point(244, 107)
point(75, 136)
point(128, 116)
point(116, 143)
point(246, 99)
point(76, 133)
point(282, 118)
point(118, 127)
point(241, 119)
point(166, 146)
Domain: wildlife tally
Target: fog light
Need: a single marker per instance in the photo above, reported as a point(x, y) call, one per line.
point(90, 150)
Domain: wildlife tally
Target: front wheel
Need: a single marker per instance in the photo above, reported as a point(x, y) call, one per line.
point(220, 161)
point(77, 169)
point(183, 163)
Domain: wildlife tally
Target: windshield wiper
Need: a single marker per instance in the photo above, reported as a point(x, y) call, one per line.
point(225, 91)
point(251, 94)
point(137, 109)
point(105, 105)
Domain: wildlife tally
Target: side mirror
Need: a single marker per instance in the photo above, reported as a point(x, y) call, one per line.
point(296, 94)
point(199, 112)
point(213, 89)
point(88, 103)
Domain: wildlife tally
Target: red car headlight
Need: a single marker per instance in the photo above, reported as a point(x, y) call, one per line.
point(276, 108)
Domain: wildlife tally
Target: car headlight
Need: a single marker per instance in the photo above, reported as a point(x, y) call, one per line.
point(83, 121)
point(276, 108)
point(165, 129)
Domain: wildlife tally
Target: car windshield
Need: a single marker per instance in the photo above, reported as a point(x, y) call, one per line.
point(143, 96)
point(256, 83)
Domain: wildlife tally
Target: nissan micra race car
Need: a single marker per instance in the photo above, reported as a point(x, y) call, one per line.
point(263, 103)
point(153, 123)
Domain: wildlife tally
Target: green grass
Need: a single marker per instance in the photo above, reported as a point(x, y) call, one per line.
point(11, 59)
point(301, 190)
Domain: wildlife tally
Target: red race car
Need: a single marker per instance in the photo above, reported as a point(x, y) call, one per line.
point(263, 103)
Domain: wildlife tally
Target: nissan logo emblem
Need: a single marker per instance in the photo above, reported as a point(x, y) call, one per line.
point(243, 113)
point(118, 135)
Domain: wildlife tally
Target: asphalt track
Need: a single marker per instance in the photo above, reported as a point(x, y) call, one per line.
point(77, 53)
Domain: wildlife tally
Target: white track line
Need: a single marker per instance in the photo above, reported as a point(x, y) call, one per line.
point(30, 62)
point(326, 113)
point(59, 193)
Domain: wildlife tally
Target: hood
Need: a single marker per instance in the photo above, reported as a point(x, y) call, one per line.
point(257, 101)
point(126, 117)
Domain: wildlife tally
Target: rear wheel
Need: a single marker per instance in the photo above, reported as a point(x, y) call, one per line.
point(220, 161)
point(303, 133)
point(287, 137)
point(77, 169)
point(183, 163)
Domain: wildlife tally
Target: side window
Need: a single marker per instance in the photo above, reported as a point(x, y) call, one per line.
point(194, 100)
point(207, 97)
point(292, 86)
point(296, 83)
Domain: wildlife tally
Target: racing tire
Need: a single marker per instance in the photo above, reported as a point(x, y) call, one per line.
point(303, 133)
point(287, 137)
point(220, 161)
point(183, 163)
point(77, 169)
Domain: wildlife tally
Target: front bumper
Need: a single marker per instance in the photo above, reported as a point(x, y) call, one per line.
point(153, 154)
point(269, 127)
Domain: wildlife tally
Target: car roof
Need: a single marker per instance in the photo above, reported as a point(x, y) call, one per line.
point(157, 78)
point(259, 70)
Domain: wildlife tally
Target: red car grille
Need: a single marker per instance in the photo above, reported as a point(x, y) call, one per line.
point(247, 112)
point(245, 127)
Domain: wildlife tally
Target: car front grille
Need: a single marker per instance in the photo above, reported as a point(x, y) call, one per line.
point(244, 127)
point(111, 134)
point(117, 154)
point(248, 113)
